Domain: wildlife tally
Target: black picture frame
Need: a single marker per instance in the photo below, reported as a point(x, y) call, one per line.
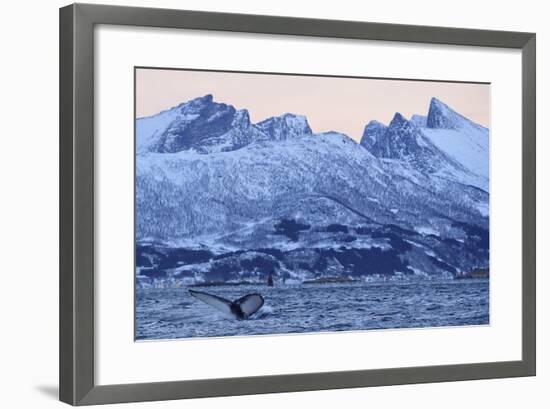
point(76, 274)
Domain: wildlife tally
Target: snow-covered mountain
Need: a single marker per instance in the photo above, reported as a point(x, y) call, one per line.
point(207, 126)
point(443, 143)
point(286, 126)
point(200, 124)
point(220, 198)
point(462, 139)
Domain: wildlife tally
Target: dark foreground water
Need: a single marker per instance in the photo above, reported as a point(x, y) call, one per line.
point(173, 313)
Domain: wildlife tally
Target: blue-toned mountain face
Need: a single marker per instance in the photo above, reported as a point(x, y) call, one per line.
point(286, 126)
point(200, 124)
point(219, 198)
point(443, 144)
point(404, 140)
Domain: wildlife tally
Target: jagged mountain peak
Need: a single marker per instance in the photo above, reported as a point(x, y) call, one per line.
point(205, 99)
point(443, 143)
point(296, 121)
point(204, 106)
point(285, 126)
point(208, 126)
point(200, 123)
point(398, 120)
point(442, 116)
point(436, 103)
point(242, 118)
point(400, 140)
point(374, 124)
point(199, 104)
point(373, 131)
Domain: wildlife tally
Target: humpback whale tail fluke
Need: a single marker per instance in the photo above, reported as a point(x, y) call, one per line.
point(241, 309)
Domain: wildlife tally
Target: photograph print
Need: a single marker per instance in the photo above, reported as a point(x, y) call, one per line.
point(289, 203)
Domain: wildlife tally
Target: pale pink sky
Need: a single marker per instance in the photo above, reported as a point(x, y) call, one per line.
point(329, 103)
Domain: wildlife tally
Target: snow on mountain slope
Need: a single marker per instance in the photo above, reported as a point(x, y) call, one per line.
point(200, 124)
point(374, 131)
point(269, 179)
point(442, 116)
point(150, 129)
point(224, 198)
point(444, 144)
point(285, 126)
point(470, 150)
point(457, 136)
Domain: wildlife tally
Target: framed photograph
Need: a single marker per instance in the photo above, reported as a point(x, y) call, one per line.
point(258, 204)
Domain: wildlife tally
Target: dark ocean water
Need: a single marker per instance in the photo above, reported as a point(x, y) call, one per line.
point(173, 313)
